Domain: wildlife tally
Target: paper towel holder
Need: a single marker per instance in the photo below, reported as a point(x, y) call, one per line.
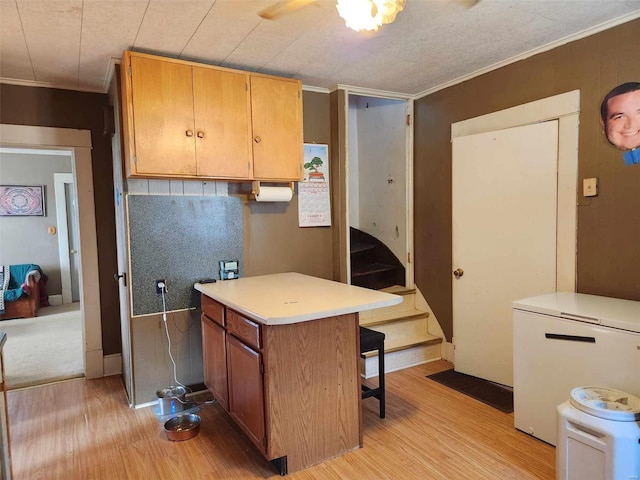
point(255, 187)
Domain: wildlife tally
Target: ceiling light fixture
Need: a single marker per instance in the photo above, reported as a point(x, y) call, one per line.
point(368, 14)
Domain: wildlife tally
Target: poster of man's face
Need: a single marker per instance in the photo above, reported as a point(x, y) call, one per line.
point(620, 116)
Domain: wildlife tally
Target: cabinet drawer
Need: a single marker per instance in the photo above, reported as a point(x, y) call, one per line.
point(244, 329)
point(212, 309)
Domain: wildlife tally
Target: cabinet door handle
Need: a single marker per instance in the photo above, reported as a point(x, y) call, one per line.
point(189, 133)
point(257, 139)
point(200, 134)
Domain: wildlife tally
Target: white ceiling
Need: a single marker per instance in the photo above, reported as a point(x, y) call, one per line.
point(432, 43)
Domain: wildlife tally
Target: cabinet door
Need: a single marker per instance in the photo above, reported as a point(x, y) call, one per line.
point(222, 111)
point(246, 397)
point(164, 137)
point(214, 360)
point(276, 109)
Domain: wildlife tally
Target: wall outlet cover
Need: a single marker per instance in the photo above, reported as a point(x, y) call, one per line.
point(590, 187)
point(159, 288)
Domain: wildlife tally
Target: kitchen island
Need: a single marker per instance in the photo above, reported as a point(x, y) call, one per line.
point(281, 356)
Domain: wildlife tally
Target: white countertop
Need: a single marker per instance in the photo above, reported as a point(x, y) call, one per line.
point(285, 298)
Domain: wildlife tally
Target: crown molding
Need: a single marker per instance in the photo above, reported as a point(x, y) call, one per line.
point(544, 48)
point(33, 83)
point(311, 88)
point(372, 92)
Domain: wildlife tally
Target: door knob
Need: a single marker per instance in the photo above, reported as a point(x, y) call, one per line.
point(200, 134)
point(117, 277)
point(458, 272)
point(189, 133)
point(73, 250)
point(257, 139)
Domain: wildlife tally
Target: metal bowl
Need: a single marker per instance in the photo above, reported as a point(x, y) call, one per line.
point(182, 427)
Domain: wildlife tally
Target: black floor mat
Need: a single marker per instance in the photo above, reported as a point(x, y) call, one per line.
point(478, 388)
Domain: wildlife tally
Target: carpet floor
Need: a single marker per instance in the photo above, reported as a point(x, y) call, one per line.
point(478, 388)
point(43, 349)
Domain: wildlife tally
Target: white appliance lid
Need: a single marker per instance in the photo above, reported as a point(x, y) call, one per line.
point(607, 403)
point(605, 311)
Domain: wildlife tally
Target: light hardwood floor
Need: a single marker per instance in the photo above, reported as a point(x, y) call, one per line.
point(83, 429)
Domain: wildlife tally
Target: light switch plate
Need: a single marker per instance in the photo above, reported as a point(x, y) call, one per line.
point(590, 187)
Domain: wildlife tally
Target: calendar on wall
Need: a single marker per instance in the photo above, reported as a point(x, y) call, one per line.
point(314, 205)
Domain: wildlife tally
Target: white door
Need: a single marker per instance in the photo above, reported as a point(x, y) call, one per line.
point(122, 275)
point(504, 204)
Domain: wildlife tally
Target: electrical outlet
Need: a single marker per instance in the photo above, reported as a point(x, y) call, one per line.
point(161, 284)
point(590, 187)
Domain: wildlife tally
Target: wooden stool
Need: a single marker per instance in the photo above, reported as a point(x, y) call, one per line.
point(371, 340)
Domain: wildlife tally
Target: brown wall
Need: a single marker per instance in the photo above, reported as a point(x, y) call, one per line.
point(608, 260)
point(47, 107)
point(273, 241)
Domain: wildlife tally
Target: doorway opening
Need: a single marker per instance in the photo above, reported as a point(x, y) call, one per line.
point(46, 347)
point(77, 143)
point(379, 199)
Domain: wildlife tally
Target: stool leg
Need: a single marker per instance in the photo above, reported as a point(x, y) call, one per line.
point(381, 379)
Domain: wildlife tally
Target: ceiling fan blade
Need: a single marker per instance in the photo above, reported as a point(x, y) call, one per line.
point(283, 7)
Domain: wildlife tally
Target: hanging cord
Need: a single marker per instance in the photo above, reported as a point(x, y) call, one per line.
point(163, 288)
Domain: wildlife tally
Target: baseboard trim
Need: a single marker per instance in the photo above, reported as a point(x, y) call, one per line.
point(112, 364)
point(55, 300)
point(93, 363)
point(449, 352)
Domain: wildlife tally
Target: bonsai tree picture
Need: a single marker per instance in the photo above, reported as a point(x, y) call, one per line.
point(313, 165)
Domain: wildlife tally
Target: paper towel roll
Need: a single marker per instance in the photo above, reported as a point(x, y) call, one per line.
point(274, 194)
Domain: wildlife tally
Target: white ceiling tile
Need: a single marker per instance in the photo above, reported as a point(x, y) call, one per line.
point(108, 29)
point(168, 25)
point(14, 56)
point(52, 30)
point(225, 26)
point(256, 50)
point(431, 43)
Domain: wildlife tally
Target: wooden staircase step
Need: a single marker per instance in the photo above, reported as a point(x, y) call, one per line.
point(401, 344)
point(399, 290)
point(390, 316)
point(371, 268)
point(407, 305)
point(361, 247)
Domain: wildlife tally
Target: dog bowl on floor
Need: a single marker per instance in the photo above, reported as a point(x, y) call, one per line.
point(182, 427)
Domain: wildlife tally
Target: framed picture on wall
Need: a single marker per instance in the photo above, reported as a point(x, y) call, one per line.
point(22, 200)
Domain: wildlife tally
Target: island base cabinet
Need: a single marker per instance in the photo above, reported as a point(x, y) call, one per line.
point(246, 398)
point(214, 360)
point(293, 389)
point(312, 390)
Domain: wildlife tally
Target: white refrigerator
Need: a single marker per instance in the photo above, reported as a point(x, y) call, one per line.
point(567, 340)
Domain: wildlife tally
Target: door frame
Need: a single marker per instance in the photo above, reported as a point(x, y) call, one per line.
point(78, 144)
point(122, 248)
point(565, 108)
point(343, 216)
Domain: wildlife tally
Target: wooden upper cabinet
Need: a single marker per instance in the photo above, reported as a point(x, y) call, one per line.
point(189, 120)
point(276, 109)
point(222, 111)
point(162, 107)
